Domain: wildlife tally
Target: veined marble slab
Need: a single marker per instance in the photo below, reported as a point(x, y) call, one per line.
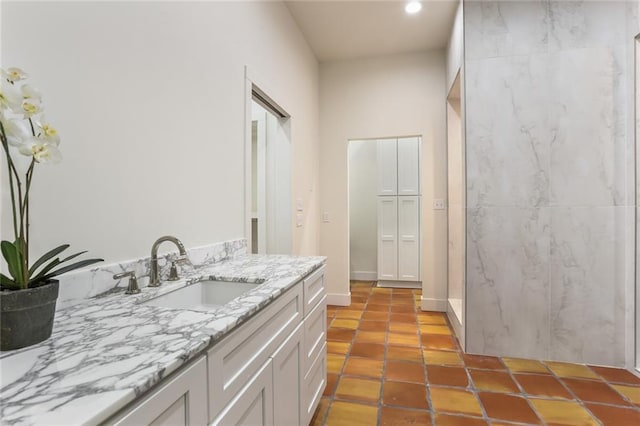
point(78, 286)
point(106, 351)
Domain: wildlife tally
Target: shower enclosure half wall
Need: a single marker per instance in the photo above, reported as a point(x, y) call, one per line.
point(549, 176)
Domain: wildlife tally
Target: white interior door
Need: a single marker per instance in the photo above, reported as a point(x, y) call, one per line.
point(408, 238)
point(278, 172)
point(388, 238)
point(271, 182)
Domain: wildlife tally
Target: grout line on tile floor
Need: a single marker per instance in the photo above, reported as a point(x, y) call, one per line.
point(398, 303)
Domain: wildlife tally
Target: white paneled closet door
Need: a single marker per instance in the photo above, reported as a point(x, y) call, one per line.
point(408, 166)
point(387, 166)
point(408, 238)
point(388, 238)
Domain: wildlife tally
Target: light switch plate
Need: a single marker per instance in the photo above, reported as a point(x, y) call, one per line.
point(299, 220)
point(325, 217)
point(438, 204)
point(299, 204)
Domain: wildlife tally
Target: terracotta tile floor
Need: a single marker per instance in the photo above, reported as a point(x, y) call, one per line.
point(391, 364)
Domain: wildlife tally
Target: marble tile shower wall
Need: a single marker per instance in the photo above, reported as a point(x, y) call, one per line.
point(78, 286)
point(550, 178)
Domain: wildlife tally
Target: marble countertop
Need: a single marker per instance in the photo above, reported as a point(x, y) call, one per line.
point(106, 352)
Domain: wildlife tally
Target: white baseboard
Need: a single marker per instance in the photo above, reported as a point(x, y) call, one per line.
point(399, 284)
point(430, 304)
point(363, 275)
point(457, 325)
point(338, 299)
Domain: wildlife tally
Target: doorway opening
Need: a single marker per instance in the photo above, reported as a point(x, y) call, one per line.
point(269, 176)
point(385, 211)
point(456, 223)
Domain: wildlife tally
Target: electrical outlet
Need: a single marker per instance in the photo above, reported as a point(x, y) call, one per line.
point(438, 204)
point(299, 204)
point(299, 220)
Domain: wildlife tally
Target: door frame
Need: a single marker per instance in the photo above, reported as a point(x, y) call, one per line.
point(254, 90)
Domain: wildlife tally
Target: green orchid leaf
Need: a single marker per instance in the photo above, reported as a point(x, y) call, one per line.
point(55, 262)
point(77, 265)
point(73, 256)
point(51, 265)
point(46, 257)
point(8, 283)
point(12, 256)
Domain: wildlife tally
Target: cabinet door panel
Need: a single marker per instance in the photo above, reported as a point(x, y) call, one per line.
point(313, 386)
point(287, 368)
point(238, 356)
point(176, 414)
point(182, 400)
point(387, 167)
point(387, 238)
point(409, 166)
point(253, 405)
point(409, 238)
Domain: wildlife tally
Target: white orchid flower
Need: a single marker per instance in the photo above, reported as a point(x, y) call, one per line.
point(13, 74)
point(17, 131)
point(48, 132)
point(41, 150)
point(30, 92)
point(10, 96)
point(31, 107)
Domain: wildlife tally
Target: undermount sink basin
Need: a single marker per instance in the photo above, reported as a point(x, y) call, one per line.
point(203, 295)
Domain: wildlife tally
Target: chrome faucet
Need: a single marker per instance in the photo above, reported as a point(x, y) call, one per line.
point(154, 275)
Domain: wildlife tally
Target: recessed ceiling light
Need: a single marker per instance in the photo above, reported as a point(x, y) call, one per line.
point(413, 7)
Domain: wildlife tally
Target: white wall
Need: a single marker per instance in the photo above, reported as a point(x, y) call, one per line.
point(455, 48)
point(363, 216)
point(377, 97)
point(150, 101)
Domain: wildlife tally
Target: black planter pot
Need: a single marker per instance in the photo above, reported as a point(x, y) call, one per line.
point(26, 316)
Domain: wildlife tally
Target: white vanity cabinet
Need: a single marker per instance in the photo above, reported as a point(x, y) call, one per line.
point(290, 337)
point(314, 372)
point(269, 371)
point(234, 360)
point(181, 400)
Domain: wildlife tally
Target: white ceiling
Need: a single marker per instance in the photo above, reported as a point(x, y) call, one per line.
point(338, 30)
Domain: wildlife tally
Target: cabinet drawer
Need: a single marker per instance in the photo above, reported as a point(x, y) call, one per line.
point(313, 385)
point(235, 359)
point(181, 400)
point(314, 290)
point(315, 333)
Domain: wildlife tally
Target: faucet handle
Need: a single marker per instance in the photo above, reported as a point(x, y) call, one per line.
point(132, 288)
point(173, 271)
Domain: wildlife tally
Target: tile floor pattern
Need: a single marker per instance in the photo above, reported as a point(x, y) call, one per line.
point(390, 364)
